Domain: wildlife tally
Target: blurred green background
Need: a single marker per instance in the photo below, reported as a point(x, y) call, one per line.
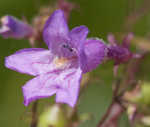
point(102, 17)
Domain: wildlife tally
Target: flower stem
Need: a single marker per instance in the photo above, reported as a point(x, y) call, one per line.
point(110, 119)
point(34, 114)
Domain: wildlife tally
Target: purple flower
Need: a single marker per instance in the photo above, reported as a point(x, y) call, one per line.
point(12, 27)
point(59, 69)
point(120, 53)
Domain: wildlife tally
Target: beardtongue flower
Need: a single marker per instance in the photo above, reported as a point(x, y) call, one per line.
point(12, 27)
point(120, 53)
point(59, 69)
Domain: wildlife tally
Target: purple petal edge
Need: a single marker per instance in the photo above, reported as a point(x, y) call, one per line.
point(24, 60)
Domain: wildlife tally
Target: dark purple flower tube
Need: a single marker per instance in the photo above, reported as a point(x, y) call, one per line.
point(119, 53)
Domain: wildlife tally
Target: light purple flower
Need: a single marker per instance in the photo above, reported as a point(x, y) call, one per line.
point(59, 69)
point(12, 27)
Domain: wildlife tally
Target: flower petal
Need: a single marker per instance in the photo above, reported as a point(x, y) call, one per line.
point(39, 87)
point(69, 89)
point(65, 84)
point(55, 31)
point(12, 27)
point(29, 61)
point(95, 51)
point(78, 36)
